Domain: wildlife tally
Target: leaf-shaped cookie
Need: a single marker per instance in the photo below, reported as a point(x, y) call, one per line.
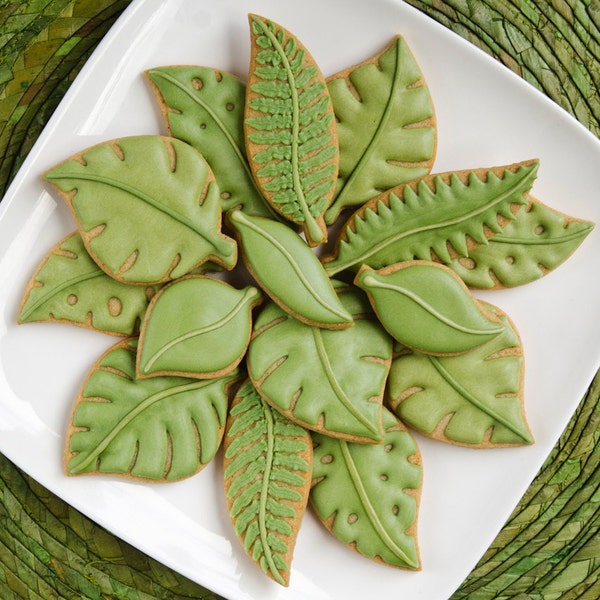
point(426, 306)
point(330, 381)
point(368, 495)
point(385, 125)
point(267, 469)
point(423, 219)
point(70, 287)
point(147, 208)
point(288, 270)
point(475, 399)
point(160, 429)
point(290, 130)
point(205, 108)
point(196, 327)
point(536, 242)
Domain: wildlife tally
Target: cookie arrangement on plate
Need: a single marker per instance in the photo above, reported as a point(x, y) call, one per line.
point(312, 376)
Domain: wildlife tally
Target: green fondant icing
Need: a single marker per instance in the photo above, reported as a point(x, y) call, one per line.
point(289, 127)
point(426, 306)
point(205, 108)
point(197, 327)
point(268, 463)
point(472, 399)
point(537, 241)
point(125, 426)
point(424, 219)
point(385, 126)
point(126, 194)
point(288, 270)
point(69, 286)
point(327, 380)
point(368, 494)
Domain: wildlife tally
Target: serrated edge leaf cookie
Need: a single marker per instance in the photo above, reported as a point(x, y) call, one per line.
point(267, 475)
point(385, 124)
point(473, 400)
point(289, 127)
point(368, 495)
point(435, 218)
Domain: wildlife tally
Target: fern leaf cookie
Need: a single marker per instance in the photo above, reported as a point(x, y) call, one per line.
point(289, 124)
point(268, 465)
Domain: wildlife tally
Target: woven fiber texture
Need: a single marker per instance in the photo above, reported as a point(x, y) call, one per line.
point(549, 548)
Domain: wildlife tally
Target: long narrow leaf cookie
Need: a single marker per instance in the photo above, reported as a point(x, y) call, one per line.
point(289, 125)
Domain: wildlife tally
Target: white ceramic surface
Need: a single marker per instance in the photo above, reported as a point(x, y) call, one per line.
point(486, 116)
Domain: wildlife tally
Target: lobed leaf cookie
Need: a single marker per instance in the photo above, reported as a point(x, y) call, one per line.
point(385, 126)
point(267, 470)
point(536, 242)
point(196, 327)
point(129, 194)
point(205, 108)
point(436, 218)
point(367, 495)
point(475, 399)
point(290, 128)
point(288, 271)
point(426, 306)
point(70, 287)
point(330, 381)
point(159, 429)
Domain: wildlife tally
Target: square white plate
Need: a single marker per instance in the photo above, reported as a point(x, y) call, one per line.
point(486, 116)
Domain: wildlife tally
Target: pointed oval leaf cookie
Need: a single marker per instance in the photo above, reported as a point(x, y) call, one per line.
point(290, 128)
point(536, 242)
point(435, 218)
point(368, 495)
point(70, 287)
point(196, 327)
point(426, 306)
point(129, 194)
point(205, 108)
point(475, 399)
point(330, 381)
point(289, 271)
point(159, 429)
point(267, 470)
point(385, 125)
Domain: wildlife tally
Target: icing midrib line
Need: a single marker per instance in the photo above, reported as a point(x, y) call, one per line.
point(131, 416)
point(313, 230)
point(372, 282)
point(541, 241)
point(445, 374)
point(264, 494)
point(385, 117)
point(368, 506)
point(61, 288)
point(248, 295)
point(239, 216)
point(222, 246)
point(335, 386)
point(336, 268)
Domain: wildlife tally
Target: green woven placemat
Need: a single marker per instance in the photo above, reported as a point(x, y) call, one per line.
point(550, 546)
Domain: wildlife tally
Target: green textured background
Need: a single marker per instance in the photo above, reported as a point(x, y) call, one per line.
point(549, 548)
